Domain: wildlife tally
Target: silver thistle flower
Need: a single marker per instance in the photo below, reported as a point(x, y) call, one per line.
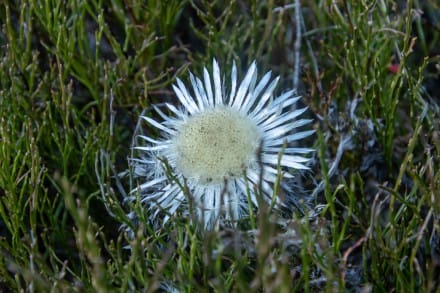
point(217, 143)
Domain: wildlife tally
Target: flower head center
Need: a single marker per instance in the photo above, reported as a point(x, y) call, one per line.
point(215, 145)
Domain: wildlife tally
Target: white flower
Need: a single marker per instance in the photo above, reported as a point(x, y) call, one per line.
point(216, 145)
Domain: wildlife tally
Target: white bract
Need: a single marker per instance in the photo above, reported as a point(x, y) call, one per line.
point(217, 144)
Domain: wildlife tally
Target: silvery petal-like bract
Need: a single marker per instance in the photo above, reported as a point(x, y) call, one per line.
point(216, 142)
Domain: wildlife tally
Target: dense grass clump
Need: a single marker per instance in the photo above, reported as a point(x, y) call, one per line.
point(76, 75)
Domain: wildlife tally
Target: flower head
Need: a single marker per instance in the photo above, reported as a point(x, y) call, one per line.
point(219, 143)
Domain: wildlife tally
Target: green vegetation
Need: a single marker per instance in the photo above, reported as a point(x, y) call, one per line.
point(75, 76)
